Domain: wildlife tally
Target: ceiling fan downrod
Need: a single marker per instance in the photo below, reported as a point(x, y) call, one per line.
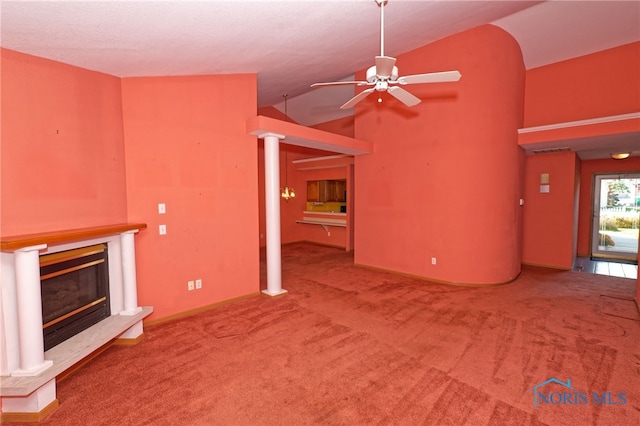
point(381, 4)
point(383, 76)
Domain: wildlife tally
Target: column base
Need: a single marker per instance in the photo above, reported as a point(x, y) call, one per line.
point(33, 371)
point(131, 311)
point(135, 333)
point(26, 417)
point(274, 294)
point(127, 341)
point(32, 407)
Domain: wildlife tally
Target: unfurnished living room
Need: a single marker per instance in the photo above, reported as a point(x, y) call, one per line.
point(320, 212)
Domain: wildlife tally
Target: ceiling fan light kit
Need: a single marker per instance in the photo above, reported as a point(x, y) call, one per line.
point(383, 76)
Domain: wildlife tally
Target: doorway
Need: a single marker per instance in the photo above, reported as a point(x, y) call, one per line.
point(616, 217)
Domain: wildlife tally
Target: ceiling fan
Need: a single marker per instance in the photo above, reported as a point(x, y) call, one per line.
point(383, 76)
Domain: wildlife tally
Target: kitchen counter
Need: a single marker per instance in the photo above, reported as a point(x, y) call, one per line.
point(325, 213)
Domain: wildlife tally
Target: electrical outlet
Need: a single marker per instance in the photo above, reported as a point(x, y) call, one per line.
point(198, 284)
point(433, 260)
point(162, 229)
point(162, 208)
point(190, 285)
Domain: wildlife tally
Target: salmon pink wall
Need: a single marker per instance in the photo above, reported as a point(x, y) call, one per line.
point(187, 147)
point(262, 219)
point(445, 179)
point(597, 85)
point(273, 112)
point(342, 126)
point(62, 147)
point(291, 210)
point(589, 169)
point(548, 222)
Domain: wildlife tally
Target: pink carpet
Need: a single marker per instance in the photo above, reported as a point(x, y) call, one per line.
point(351, 346)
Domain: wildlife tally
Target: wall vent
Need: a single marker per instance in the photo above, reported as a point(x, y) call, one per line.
point(548, 150)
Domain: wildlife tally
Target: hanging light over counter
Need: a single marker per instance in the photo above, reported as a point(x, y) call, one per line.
point(286, 192)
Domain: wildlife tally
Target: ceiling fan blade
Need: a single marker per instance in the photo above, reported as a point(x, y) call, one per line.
point(339, 83)
point(384, 66)
point(357, 98)
point(433, 77)
point(403, 96)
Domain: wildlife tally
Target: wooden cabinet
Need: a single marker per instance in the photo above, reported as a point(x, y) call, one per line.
point(335, 190)
point(326, 190)
point(313, 190)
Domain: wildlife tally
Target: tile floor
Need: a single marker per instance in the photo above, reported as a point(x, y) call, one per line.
point(605, 267)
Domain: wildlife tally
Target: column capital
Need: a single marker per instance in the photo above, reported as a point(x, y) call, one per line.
point(270, 134)
point(31, 248)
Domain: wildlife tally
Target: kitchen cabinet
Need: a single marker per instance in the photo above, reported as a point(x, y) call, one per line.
point(335, 190)
point(313, 190)
point(326, 190)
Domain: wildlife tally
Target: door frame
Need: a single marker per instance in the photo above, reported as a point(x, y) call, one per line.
point(595, 252)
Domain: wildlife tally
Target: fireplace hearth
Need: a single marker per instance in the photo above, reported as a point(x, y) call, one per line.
point(75, 291)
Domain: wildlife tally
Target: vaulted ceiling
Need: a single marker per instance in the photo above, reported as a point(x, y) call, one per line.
point(292, 44)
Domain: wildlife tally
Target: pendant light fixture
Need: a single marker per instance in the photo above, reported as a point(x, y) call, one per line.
point(287, 192)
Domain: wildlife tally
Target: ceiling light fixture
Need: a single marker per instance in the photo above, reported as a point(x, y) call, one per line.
point(620, 155)
point(287, 192)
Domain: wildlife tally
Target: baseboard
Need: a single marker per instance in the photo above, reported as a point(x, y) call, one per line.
point(340, 246)
point(436, 281)
point(194, 311)
point(542, 265)
point(30, 417)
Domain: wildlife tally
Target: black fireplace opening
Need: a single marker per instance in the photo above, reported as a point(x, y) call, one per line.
point(75, 292)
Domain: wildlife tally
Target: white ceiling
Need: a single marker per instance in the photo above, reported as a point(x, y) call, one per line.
point(292, 44)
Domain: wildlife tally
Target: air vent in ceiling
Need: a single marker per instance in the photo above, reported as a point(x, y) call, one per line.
point(548, 150)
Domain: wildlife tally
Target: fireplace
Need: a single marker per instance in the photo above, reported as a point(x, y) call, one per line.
point(104, 255)
point(75, 290)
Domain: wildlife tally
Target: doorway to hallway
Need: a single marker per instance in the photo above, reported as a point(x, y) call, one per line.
point(616, 217)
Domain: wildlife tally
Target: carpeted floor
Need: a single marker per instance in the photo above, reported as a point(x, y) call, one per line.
point(351, 346)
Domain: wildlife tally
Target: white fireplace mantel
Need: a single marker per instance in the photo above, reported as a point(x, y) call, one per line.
point(28, 372)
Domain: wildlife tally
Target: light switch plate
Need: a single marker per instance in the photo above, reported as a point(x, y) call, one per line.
point(544, 178)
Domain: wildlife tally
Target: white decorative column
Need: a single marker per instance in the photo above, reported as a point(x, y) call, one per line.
point(272, 201)
point(128, 250)
point(116, 286)
point(28, 293)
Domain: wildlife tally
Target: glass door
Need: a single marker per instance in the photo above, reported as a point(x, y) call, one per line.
point(616, 214)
